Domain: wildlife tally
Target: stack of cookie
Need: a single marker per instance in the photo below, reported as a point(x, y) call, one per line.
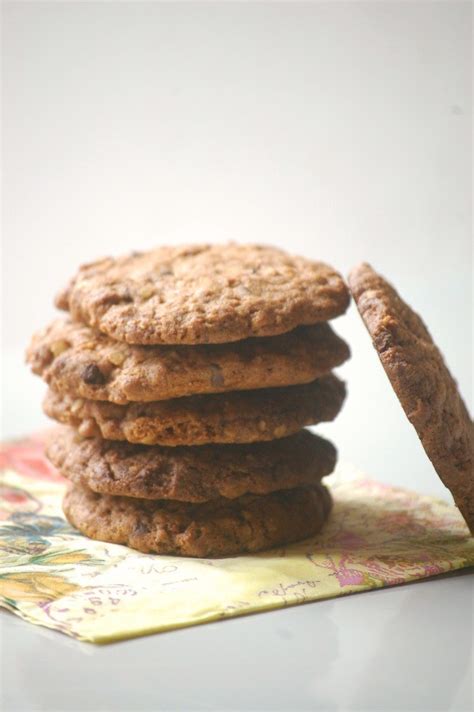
point(183, 378)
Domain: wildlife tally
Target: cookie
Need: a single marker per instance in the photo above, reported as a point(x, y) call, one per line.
point(215, 529)
point(75, 359)
point(422, 382)
point(239, 417)
point(200, 294)
point(191, 474)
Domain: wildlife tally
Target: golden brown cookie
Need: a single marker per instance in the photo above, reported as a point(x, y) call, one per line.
point(238, 417)
point(73, 358)
point(422, 382)
point(215, 529)
point(191, 474)
point(200, 294)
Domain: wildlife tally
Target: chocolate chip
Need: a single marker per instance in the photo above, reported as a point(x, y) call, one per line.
point(113, 294)
point(141, 528)
point(92, 375)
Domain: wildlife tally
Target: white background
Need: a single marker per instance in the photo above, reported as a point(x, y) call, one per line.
point(340, 131)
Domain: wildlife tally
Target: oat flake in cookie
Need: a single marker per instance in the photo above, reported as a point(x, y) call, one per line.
point(218, 528)
point(422, 382)
point(203, 294)
point(191, 474)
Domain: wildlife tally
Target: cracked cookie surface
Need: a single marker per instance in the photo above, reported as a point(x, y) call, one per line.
point(425, 387)
point(198, 294)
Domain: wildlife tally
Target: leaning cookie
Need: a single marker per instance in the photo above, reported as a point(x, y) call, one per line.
point(239, 417)
point(191, 474)
point(72, 358)
point(422, 382)
point(219, 528)
point(200, 294)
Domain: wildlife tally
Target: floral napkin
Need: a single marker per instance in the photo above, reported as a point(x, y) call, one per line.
point(53, 576)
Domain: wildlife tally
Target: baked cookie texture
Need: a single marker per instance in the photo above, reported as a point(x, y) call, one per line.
point(183, 379)
point(191, 474)
point(199, 294)
point(238, 417)
point(215, 529)
point(425, 387)
point(73, 358)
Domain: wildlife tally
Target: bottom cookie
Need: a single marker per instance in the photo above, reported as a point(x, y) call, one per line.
point(213, 529)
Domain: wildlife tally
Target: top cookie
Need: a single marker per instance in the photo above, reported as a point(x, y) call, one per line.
point(422, 382)
point(203, 294)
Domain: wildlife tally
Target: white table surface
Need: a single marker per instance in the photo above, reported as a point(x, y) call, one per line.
point(405, 648)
